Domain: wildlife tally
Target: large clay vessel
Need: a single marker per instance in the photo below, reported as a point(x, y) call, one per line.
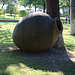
point(36, 32)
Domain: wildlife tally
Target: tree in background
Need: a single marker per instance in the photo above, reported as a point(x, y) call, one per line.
point(35, 3)
point(4, 2)
point(23, 2)
point(65, 4)
point(29, 2)
point(11, 8)
point(42, 3)
point(15, 9)
point(7, 2)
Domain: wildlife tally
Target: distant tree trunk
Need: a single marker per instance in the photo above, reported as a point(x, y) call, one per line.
point(3, 4)
point(35, 7)
point(44, 6)
point(72, 6)
point(53, 10)
point(69, 8)
point(63, 10)
point(69, 12)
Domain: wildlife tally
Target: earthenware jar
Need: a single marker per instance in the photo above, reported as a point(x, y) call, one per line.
point(37, 32)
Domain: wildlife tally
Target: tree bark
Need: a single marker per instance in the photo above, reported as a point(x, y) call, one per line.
point(53, 8)
point(44, 6)
point(72, 12)
point(53, 11)
point(35, 7)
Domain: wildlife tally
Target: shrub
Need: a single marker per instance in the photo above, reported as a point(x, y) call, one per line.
point(1, 11)
point(23, 13)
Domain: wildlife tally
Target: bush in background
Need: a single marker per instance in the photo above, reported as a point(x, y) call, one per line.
point(23, 13)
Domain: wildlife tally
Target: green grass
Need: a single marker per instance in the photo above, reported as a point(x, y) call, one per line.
point(10, 17)
point(63, 19)
point(14, 62)
point(69, 39)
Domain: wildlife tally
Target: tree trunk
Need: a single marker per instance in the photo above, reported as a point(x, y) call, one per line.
point(53, 11)
point(72, 7)
point(35, 7)
point(53, 8)
point(2, 5)
point(69, 8)
point(69, 12)
point(44, 6)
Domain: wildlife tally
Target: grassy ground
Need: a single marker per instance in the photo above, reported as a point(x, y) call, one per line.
point(9, 17)
point(69, 39)
point(15, 62)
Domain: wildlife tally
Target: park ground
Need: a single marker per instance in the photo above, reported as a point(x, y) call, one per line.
point(52, 62)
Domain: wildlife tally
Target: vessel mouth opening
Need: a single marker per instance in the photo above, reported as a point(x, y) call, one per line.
point(58, 25)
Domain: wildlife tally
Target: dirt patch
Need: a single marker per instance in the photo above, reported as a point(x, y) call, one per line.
point(52, 54)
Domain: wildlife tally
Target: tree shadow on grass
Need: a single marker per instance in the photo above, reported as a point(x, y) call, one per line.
point(53, 60)
point(5, 38)
point(10, 15)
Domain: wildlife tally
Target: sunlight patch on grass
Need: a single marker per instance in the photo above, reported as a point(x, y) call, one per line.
point(8, 27)
point(6, 34)
point(69, 40)
point(21, 69)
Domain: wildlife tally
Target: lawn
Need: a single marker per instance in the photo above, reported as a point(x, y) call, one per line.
point(7, 16)
point(15, 62)
point(10, 17)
